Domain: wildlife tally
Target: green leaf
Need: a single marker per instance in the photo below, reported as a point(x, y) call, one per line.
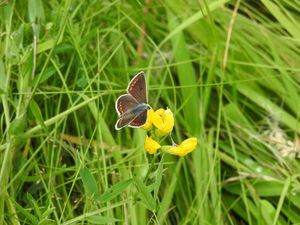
point(35, 10)
point(33, 220)
point(262, 188)
point(18, 38)
point(48, 73)
point(235, 115)
point(268, 188)
point(35, 110)
point(291, 212)
point(102, 220)
point(5, 13)
point(291, 26)
point(18, 125)
point(47, 222)
point(235, 204)
point(48, 211)
point(2, 76)
point(89, 183)
point(186, 75)
point(46, 45)
point(145, 194)
point(115, 190)
point(295, 198)
point(264, 102)
point(158, 177)
point(267, 211)
point(82, 82)
point(34, 204)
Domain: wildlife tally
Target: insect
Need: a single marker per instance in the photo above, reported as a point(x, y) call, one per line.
point(132, 108)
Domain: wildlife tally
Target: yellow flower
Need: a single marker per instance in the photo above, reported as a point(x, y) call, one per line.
point(183, 149)
point(162, 119)
point(166, 122)
point(151, 146)
point(150, 115)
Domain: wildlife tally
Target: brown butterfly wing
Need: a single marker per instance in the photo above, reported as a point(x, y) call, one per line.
point(124, 103)
point(140, 120)
point(137, 88)
point(124, 120)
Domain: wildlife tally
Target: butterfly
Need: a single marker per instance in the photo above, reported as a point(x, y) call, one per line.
point(132, 108)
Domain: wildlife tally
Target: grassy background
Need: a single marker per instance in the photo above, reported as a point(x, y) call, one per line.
point(229, 70)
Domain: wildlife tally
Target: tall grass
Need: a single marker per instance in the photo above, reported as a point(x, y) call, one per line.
point(229, 71)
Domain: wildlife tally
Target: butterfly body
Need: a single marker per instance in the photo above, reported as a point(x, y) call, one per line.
point(132, 107)
point(139, 108)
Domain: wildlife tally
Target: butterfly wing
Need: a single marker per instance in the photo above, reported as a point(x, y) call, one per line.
point(125, 120)
point(129, 106)
point(140, 120)
point(137, 88)
point(125, 103)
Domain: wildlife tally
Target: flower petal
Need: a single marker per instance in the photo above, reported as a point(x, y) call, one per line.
point(189, 144)
point(183, 149)
point(168, 121)
point(151, 146)
point(155, 119)
point(148, 124)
